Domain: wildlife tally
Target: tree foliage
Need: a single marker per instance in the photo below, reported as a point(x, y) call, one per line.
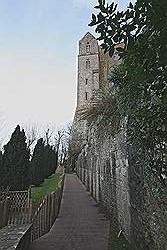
point(37, 164)
point(16, 162)
point(17, 170)
point(50, 160)
point(43, 163)
point(139, 35)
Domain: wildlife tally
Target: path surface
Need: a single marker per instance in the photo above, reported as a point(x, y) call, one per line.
point(79, 226)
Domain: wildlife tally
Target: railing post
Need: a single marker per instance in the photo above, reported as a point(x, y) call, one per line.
point(29, 197)
point(30, 211)
point(1, 213)
point(46, 212)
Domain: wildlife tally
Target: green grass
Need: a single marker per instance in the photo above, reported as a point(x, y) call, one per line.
point(48, 186)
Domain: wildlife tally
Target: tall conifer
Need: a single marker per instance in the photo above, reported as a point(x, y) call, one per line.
point(16, 161)
point(50, 160)
point(37, 163)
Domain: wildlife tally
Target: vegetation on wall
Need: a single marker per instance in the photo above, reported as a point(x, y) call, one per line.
point(142, 88)
point(73, 153)
point(103, 110)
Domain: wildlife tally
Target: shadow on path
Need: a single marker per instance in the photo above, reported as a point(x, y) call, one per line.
point(79, 226)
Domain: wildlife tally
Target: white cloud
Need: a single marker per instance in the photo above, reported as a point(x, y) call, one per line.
point(122, 4)
point(84, 3)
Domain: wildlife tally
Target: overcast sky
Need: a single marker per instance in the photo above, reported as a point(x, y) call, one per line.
point(38, 57)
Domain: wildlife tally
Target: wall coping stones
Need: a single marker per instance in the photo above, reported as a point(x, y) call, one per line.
point(11, 235)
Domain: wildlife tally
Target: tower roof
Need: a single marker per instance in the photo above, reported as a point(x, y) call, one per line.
point(88, 35)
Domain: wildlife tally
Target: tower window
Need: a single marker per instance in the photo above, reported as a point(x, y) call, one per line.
point(87, 48)
point(86, 96)
point(86, 81)
point(87, 64)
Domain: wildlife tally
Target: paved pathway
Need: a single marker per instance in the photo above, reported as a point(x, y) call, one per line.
point(79, 226)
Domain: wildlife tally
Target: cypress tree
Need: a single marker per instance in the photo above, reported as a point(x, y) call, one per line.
point(46, 161)
point(37, 163)
point(50, 160)
point(16, 161)
point(43, 163)
point(54, 160)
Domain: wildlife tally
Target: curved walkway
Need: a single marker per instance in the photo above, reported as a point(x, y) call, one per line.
point(79, 226)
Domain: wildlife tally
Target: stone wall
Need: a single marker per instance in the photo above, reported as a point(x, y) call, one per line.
point(103, 167)
point(130, 197)
point(107, 163)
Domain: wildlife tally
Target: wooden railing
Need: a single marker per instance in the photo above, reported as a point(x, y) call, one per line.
point(40, 221)
point(47, 212)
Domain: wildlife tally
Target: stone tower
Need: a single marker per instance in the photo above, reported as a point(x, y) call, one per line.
point(93, 67)
point(88, 69)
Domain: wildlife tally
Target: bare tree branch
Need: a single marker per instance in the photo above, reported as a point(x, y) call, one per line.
point(32, 135)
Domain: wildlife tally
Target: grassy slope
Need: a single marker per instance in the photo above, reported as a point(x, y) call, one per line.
point(49, 185)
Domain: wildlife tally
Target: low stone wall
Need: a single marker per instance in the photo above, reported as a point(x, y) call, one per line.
point(12, 236)
point(25, 240)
